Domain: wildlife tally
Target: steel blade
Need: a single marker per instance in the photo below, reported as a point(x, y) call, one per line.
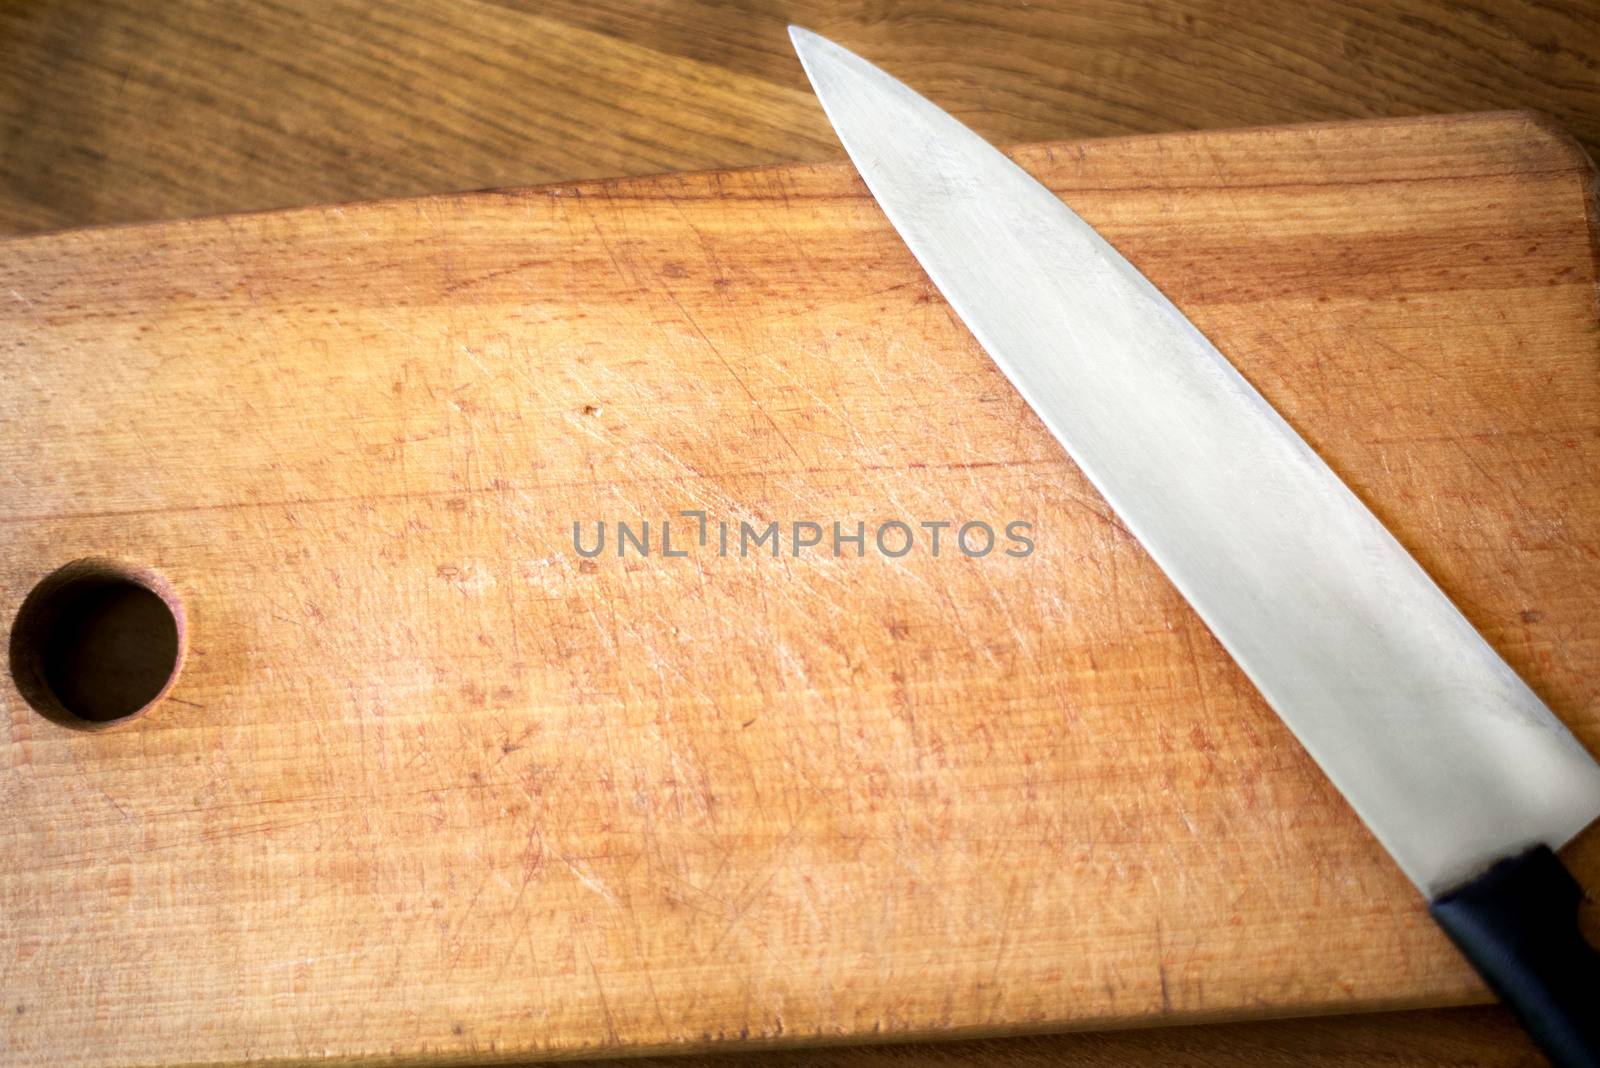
point(1448, 756)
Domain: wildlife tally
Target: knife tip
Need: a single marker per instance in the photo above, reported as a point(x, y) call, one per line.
point(817, 54)
point(800, 37)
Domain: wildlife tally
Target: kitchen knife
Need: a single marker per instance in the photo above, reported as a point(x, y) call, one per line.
point(1454, 763)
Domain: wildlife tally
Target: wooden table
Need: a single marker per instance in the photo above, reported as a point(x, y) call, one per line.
point(118, 112)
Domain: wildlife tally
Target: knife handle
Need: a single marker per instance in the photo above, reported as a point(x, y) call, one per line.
point(1518, 925)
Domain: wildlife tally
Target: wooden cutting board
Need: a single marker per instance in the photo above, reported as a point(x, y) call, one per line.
point(431, 785)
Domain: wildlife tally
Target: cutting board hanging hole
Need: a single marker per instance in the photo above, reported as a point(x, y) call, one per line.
point(97, 643)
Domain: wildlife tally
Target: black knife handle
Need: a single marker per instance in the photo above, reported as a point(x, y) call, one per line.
point(1518, 925)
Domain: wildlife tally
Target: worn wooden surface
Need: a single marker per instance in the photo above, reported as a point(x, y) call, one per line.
point(1481, 1036)
point(116, 110)
point(432, 785)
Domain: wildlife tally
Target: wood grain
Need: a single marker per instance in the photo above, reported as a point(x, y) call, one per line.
point(432, 786)
point(1483, 1037)
point(115, 110)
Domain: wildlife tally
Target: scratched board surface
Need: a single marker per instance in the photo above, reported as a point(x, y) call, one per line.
point(431, 783)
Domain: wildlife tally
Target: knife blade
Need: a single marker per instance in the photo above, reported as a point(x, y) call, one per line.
point(1456, 765)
